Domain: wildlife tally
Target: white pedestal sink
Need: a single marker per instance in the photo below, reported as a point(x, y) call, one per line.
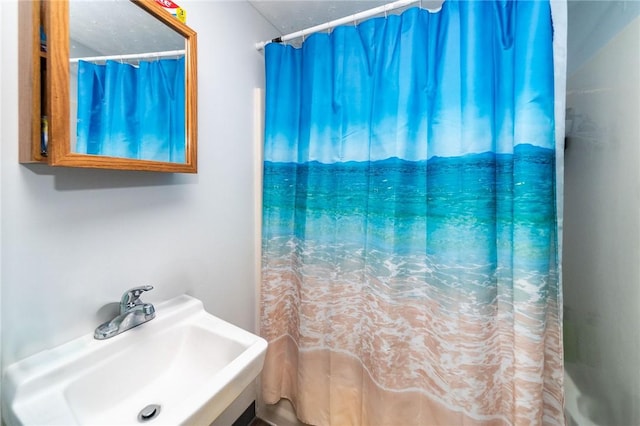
point(189, 363)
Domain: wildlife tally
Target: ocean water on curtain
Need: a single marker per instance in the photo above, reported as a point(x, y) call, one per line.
point(437, 237)
point(452, 201)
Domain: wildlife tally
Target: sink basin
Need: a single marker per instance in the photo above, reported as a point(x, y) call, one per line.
point(189, 363)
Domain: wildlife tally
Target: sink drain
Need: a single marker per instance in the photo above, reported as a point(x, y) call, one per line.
point(149, 412)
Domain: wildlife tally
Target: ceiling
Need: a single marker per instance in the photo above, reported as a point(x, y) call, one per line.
point(293, 15)
point(108, 27)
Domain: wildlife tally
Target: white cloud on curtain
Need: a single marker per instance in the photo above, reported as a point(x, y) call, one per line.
point(409, 220)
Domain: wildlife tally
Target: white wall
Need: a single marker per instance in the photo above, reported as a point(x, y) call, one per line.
point(74, 240)
point(2, 19)
point(602, 217)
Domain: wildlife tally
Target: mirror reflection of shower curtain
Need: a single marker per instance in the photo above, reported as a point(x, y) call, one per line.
point(132, 112)
point(409, 246)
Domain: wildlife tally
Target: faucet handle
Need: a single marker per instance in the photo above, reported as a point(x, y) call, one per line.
point(131, 297)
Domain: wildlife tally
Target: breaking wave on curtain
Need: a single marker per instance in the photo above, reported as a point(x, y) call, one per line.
point(409, 198)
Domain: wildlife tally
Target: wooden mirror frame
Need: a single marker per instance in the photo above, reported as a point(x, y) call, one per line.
point(59, 147)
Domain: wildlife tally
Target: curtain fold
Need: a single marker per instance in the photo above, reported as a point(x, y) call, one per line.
point(132, 112)
point(410, 262)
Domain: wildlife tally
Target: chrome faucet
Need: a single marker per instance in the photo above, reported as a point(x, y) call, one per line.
point(133, 312)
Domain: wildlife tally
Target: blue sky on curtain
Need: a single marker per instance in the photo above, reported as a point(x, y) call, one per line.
point(132, 111)
point(409, 229)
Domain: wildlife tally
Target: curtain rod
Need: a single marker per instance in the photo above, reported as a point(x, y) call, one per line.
point(130, 56)
point(340, 21)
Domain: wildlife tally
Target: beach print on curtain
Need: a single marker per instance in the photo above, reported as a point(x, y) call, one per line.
point(132, 111)
point(410, 267)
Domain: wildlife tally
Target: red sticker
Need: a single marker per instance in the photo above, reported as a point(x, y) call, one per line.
point(167, 3)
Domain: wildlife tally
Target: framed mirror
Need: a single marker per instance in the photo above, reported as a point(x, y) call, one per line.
point(121, 86)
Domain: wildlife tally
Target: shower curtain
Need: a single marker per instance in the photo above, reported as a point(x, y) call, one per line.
point(410, 260)
point(132, 111)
